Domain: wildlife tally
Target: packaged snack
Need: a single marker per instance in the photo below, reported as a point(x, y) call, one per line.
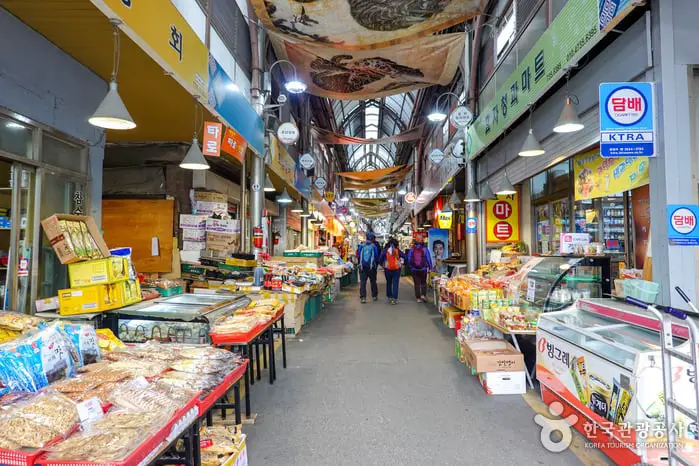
point(14, 321)
point(143, 399)
point(206, 352)
point(35, 422)
point(84, 339)
point(202, 366)
point(107, 340)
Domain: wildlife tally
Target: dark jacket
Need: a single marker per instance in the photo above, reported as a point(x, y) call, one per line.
point(426, 252)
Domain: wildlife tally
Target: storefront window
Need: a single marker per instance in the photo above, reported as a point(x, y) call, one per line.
point(559, 177)
point(538, 188)
point(561, 221)
point(15, 137)
point(543, 229)
point(62, 154)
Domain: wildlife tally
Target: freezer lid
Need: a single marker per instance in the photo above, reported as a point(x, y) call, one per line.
point(198, 299)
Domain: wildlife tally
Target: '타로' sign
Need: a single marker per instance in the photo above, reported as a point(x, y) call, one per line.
point(627, 119)
point(212, 139)
point(502, 219)
point(682, 225)
point(471, 225)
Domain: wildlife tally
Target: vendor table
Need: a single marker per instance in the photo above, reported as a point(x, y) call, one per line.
point(514, 334)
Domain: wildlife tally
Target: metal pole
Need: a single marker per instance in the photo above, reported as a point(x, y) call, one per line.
point(470, 210)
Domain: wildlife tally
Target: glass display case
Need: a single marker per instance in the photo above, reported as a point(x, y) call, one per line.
point(603, 360)
point(183, 318)
point(552, 283)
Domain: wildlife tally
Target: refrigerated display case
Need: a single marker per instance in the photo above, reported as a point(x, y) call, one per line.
point(551, 283)
point(601, 360)
point(183, 318)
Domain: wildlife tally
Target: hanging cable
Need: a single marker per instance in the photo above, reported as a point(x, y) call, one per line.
point(117, 49)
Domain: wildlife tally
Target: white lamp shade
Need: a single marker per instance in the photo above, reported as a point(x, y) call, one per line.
point(284, 198)
point(112, 113)
point(568, 122)
point(296, 207)
point(531, 146)
point(507, 187)
point(487, 193)
point(472, 195)
point(295, 86)
point(437, 116)
point(454, 200)
point(447, 209)
point(194, 160)
point(269, 187)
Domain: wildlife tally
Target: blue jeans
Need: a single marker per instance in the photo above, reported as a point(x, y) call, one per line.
point(392, 280)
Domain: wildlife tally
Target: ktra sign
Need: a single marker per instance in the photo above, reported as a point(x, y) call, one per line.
point(502, 219)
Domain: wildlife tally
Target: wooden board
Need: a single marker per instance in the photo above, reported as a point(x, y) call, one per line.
point(133, 223)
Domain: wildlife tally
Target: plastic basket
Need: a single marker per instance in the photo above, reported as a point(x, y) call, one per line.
point(642, 290)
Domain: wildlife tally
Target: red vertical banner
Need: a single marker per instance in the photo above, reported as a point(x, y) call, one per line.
point(212, 139)
point(234, 144)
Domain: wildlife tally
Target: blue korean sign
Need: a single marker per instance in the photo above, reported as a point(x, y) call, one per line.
point(627, 119)
point(682, 225)
point(471, 225)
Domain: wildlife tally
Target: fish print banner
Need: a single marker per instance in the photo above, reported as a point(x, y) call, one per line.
point(362, 24)
point(368, 74)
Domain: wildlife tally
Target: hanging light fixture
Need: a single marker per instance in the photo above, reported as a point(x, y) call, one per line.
point(472, 195)
point(345, 197)
point(284, 198)
point(532, 146)
point(305, 213)
point(295, 85)
point(507, 188)
point(269, 187)
point(569, 122)
point(402, 192)
point(194, 160)
point(487, 193)
point(296, 207)
point(446, 209)
point(112, 113)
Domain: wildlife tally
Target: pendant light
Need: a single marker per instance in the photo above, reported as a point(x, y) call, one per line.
point(112, 113)
point(269, 187)
point(296, 207)
point(487, 193)
point(447, 209)
point(532, 146)
point(284, 198)
point(472, 195)
point(194, 160)
point(507, 188)
point(454, 200)
point(569, 122)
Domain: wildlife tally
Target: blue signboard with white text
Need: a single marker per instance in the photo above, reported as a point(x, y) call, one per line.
point(627, 119)
point(682, 225)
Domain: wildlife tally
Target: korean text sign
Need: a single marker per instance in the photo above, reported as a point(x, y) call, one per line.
point(212, 139)
point(627, 119)
point(682, 225)
point(598, 177)
point(502, 219)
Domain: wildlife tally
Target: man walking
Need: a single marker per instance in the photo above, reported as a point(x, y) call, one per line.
point(420, 263)
point(368, 255)
point(390, 260)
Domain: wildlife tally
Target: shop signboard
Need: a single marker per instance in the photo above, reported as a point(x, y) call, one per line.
point(578, 27)
point(436, 156)
point(320, 183)
point(281, 162)
point(329, 196)
point(212, 139)
point(234, 108)
point(682, 224)
point(461, 117)
point(234, 144)
point(471, 225)
point(572, 243)
point(160, 30)
point(502, 219)
point(444, 220)
point(288, 133)
point(438, 241)
point(600, 177)
point(410, 197)
point(307, 161)
point(627, 119)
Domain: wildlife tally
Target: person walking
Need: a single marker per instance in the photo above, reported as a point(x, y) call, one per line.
point(420, 263)
point(391, 261)
point(368, 257)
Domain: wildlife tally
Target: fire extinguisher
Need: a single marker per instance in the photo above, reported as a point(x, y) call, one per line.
point(257, 237)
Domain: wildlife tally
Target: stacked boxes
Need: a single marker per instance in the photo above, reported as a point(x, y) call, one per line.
point(220, 236)
point(74, 238)
point(209, 203)
point(500, 367)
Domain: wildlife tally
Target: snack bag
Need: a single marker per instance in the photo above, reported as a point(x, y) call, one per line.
point(84, 338)
point(107, 340)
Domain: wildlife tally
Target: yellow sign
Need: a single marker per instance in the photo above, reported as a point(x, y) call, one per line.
point(329, 196)
point(281, 162)
point(502, 219)
point(444, 220)
point(598, 177)
point(159, 29)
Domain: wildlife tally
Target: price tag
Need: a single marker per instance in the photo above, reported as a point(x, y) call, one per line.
point(90, 410)
point(531, 289)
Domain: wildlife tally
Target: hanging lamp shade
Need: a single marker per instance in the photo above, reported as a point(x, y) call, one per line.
point(568, 122)
point(447, 209)
point(487, 193)
point(507, 187)
point(296, 207)
point(269, 187)
point(472, 195)
point(454, 200)
point(112, 113)
point(284, 198)
point(531, 147)
point(194, 160)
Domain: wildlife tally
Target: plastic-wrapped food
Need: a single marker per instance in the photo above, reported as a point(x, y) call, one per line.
point(206, 352)
point(195, 366)
point(196, 382)
point(142, 399)
point(97, 446)
point(34, 361)
point(17, 322)
point(36, 422)
point(84, 338)
point(141, 368)
point(9, 444)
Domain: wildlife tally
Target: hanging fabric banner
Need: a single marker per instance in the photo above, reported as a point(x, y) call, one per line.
point(375, 177)
point(598, 177)
point(324, 136)
point(361, 24)
point(363, 74)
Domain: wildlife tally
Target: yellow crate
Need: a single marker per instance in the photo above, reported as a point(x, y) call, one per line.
point(98, 272)
point(83, 300)
point(130, 292)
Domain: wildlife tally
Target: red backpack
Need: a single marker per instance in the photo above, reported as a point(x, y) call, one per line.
point(418, 259)
point(393, 260)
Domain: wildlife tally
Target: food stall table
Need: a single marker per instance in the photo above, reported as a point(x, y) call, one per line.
point(513, 334)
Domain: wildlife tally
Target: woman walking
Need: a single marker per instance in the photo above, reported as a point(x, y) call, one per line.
point(391, 260)
point(420, 263)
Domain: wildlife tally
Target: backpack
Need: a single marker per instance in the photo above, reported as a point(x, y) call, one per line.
point(418, 259)
point(368, 257)
point(393, 260)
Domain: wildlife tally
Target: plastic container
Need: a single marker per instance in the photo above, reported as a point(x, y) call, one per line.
point(642, 290)
point(619, 288)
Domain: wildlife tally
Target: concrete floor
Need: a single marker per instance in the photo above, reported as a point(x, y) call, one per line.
point(376, 384)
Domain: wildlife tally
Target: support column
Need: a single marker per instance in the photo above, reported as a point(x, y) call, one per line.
point(304, 230)
point(283, 231)
point(257, 175)
point(671, 180)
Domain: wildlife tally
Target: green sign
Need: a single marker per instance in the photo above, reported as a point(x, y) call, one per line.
point(574, 31)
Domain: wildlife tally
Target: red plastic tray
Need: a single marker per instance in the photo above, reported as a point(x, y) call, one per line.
point(209, 400)
point(149, 448)
point(26, 457)
point(220, 339)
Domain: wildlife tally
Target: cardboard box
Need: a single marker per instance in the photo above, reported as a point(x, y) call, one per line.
point(61, 242)
point(221, 242)
point(450, 314)
point(98, 298)
point(98, 272)
point(300, 261)
point(207, 207)
point(191, 234)
point(193, 245)
point(195, 222)
point(129, 293)
point(503, 383)
point(214, 225)
point(47, 304)
point(210, 196)
point(492, 356)
point(237, 459)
